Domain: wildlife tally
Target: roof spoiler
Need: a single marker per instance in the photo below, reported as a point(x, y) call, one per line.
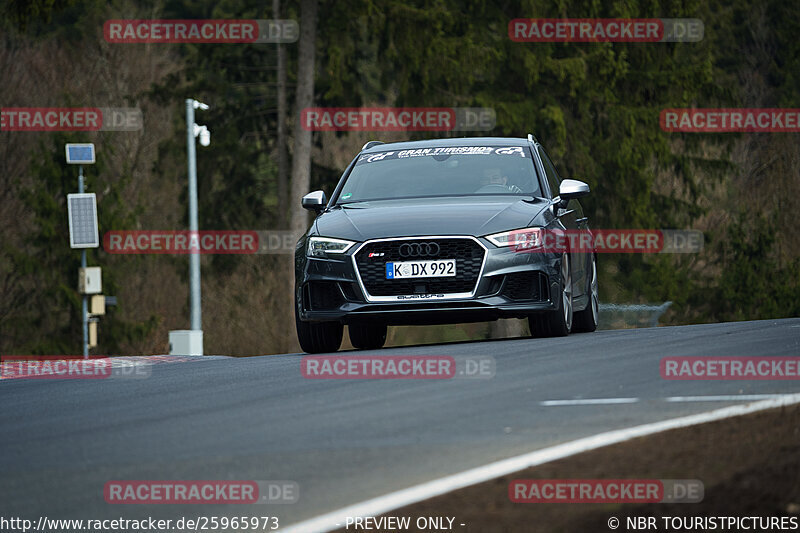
point(370, 144)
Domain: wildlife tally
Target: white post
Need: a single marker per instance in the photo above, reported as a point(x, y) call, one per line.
point(194, 258)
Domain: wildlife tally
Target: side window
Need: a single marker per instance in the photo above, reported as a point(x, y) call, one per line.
point(550, 172)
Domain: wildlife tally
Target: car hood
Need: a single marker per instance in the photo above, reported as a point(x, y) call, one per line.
point(475, 216)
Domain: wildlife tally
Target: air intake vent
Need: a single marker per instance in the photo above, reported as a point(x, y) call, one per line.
point(322, 295)
point(526, 287)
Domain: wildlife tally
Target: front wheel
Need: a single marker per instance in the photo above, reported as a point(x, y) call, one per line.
point(556, 323)
point(587, 319)
point(367, 336)
point(318, 337)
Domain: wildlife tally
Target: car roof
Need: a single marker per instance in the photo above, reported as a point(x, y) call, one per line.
point(449, 141)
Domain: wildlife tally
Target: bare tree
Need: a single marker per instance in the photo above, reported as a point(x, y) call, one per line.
point(301, 159)
point(301, 156)
point(283, 163)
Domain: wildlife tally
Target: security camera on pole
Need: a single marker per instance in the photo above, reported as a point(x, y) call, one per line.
point(190, 342)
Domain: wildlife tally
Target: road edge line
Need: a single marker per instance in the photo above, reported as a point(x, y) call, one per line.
point(333, 520)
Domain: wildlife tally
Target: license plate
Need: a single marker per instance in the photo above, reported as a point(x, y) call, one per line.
point(421, 269)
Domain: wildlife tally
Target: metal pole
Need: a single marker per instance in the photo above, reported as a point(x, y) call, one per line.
point(84, 311)
point(194, 257)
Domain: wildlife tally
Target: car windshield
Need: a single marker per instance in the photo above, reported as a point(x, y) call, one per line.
point(441, 171)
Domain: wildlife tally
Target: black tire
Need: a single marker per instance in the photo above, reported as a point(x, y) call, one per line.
point(586, 320)
point(556, 323)
point(367, 336)
point(318, 337)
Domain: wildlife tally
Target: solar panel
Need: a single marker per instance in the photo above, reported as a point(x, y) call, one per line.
point(80, 154)
point(82, 209)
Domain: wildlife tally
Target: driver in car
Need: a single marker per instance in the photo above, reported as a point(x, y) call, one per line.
point(494, 176)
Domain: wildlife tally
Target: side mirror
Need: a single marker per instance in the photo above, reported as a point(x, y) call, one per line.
point(315, 201)
point(570, 189)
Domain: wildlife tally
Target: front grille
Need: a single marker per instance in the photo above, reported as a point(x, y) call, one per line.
point(467, 253)
point(526, 286)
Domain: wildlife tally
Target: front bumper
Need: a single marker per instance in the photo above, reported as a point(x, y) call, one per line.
point(510, 285)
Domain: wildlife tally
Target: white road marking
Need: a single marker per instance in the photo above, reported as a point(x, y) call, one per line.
point(388, 502)
point(670, 399)
point(722, 398)
point(589, 401)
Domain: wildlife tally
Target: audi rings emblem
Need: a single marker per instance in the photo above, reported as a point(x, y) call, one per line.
point(419, 249)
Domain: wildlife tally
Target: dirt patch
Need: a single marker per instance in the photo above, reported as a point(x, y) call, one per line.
point(749, 465)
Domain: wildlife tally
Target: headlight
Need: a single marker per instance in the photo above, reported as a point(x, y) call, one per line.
point(519, 239)
point(322, 246)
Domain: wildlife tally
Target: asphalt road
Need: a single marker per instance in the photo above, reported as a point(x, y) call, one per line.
point(345, 441)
